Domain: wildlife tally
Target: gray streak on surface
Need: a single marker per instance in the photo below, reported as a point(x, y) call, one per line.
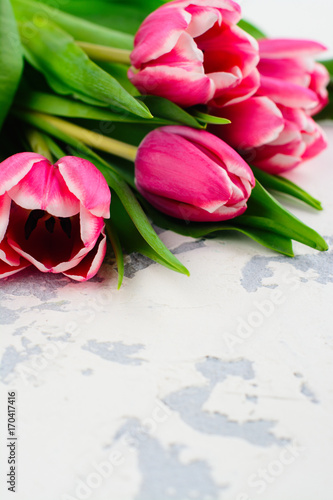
point(12, 358)
point(257, 269)
point(163, 475)
point(308, 393)
point(189, 403)
point(117, 352)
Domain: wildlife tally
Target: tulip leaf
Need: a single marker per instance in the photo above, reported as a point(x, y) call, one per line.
point(122, 16)
point(283, 185)
point(163, 108)
point(11, 58)
point(264, 212)
point(68, 69)
point(209, 119)
point(251, 29)
point(79, 28)
point(265, 221)
point(118, 185)
point(116, 244)
point(62, 106)
point(266, 238)
point(130, 237)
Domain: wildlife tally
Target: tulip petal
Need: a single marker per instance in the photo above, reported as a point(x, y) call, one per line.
point(46, 251)
point(241, 92)
point(318, 144)
point(296, 70)
point(7, 270)
point(278, 163)
point(89, 266)
point(227, 48)
point(260, 129)
point(288, 94)
point(8, 255)
point(217, 148)
point(231, 11)
point(159, 34)
point(87, 184)
point(184, 55)
point(279, 48)
point(14, 168)
point(91, 227)
point(189, 212)
point(320, 79)
point(44, 188)
point(176, 84)
point(254, 122)
point(202, 20)
point(5, 203)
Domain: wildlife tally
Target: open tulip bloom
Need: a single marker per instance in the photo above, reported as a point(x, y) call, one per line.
point(198, 67)
point(192, 52)
point(52, 216)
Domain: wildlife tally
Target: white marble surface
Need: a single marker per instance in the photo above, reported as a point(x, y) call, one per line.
point(217, 386)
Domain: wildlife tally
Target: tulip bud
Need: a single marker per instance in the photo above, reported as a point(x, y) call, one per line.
point(191, 174)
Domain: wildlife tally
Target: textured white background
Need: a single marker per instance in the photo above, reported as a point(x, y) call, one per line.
point(164, 375)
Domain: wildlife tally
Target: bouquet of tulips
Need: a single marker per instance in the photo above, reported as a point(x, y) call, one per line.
point(180, 114)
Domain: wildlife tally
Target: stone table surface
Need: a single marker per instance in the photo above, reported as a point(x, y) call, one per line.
point(217, 386)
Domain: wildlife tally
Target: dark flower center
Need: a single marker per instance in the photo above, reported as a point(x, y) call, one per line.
point(50, 222)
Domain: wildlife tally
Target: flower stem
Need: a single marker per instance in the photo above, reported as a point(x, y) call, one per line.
point(93, 139)
point(105, 54)
point(38, 143)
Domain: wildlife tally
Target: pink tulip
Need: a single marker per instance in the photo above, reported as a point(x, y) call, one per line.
point(191, 174)
point(191, 51)
point(270, 136)
point(51, 216)
point(290, 76)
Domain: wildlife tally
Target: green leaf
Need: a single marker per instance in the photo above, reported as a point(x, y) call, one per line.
point(205, 118)
point(119, 72)
point(163, 108)
point(116, 14)
point(79, 28)
point(116, 245)
point(283, 185)
point(11, 59)
point(69, 71)
point(130, 237)
point(251, 29)
point(268, 239)
point(264, 212)
point(118, 185)
point(56, 105)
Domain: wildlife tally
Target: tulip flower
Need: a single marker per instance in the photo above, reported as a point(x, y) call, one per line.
point(191, 52)
point(191, 174)
point(290, 76)
point(272, 137)
point(52, 216)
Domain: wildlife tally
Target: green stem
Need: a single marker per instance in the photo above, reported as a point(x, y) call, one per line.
point(105, 54)
point(38, 143)
point(97, 141)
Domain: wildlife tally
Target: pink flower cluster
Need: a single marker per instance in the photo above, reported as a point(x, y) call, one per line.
point(192, 52)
